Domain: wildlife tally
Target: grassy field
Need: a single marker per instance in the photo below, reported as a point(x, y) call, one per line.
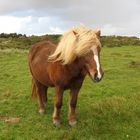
point(109, 110)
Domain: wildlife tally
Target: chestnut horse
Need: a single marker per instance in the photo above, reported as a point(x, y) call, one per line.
point(64, 67)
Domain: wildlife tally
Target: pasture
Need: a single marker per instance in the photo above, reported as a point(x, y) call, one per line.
point(109, 110)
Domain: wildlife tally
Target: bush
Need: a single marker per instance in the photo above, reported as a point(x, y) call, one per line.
point(14, 40)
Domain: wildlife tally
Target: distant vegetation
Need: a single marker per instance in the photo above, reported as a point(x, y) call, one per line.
point(19, 41)
point(118, 41)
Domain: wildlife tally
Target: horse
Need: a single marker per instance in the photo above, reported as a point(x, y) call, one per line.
point(64, 66)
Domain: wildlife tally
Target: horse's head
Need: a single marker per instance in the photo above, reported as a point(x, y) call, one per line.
point(92, 64)
point(92, 61)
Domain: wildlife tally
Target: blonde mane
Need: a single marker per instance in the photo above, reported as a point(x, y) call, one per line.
point(75, 42)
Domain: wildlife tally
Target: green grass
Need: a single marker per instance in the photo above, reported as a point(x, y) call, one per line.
point(109, 110)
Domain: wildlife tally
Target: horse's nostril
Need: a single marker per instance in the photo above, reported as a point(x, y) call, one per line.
point(96, 77)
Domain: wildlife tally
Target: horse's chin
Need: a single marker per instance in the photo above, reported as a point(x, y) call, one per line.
point(96, 80)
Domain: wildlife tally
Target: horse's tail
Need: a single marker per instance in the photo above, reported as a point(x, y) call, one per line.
point(34, 89)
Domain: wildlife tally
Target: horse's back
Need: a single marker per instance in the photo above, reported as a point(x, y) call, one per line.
point(40, 49)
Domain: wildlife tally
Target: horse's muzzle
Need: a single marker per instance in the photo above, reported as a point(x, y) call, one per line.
point(96, 78)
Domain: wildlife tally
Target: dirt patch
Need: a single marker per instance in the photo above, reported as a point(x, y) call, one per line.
point(10, 119)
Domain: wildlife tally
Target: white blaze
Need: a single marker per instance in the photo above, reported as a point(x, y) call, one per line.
point(96, 58)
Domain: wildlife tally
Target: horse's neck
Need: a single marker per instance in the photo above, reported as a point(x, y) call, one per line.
point(76, 66)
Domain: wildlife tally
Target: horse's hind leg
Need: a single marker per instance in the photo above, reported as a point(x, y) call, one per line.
point(41, 91)
point(44, 96)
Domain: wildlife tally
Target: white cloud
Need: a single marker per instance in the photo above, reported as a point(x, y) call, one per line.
point(28, 25)
point(120, 17)
point(11, 24)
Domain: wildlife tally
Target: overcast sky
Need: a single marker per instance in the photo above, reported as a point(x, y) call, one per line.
point(118, 17)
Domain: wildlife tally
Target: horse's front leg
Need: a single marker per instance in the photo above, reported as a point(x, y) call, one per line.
point(57, 106)
point(72, 106)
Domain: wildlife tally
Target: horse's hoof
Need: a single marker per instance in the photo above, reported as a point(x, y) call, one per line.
point(41, 111)
point(56, 123)
point(72, 123)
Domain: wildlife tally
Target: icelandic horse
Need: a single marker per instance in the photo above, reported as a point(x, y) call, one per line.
point(64, 66)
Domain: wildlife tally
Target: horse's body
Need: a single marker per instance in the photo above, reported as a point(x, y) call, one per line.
point(53, 74)
point(62, 73)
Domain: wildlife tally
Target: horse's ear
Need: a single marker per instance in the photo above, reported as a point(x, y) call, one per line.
point(74, 33)
point(98, 32)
